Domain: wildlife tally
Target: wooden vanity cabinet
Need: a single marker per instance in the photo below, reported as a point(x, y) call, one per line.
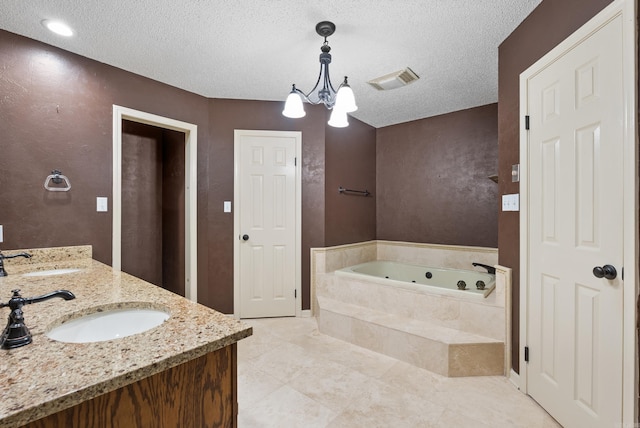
point(199, 393)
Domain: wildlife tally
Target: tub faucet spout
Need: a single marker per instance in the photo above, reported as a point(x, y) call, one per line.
point(490, 269)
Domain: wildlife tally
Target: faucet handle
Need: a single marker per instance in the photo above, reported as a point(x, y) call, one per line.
point(16, 333)
point(15, 302)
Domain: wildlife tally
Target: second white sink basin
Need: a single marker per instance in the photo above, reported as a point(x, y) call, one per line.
point(108, 325)
point(52, 272)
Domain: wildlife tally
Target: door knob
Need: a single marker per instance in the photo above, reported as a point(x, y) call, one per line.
point(245, 237)
point(606, 271)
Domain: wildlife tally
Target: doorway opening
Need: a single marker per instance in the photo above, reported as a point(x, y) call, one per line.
point(153, 205)
point(154, 200)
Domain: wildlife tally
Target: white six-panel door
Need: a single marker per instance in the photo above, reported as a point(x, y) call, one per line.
point(575, 156)
point(266, 183)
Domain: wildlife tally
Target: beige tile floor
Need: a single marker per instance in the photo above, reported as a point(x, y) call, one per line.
point(290, 375)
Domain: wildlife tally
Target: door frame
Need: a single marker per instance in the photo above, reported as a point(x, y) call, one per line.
point(236, 214)
point(191, 187)
point(626, 8)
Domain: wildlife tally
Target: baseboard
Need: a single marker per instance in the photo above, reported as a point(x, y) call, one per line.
point(514, 378)
point(305, 313)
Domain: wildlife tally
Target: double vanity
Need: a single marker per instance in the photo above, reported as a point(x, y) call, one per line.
point(138, 355)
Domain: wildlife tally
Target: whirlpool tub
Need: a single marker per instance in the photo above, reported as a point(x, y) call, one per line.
point(452, 282)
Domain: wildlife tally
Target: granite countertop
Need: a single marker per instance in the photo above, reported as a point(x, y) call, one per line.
point(46, 376)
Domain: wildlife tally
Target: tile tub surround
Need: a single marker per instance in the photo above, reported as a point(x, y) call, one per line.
point(449, 335)
point(329, 259)
point(79, 372)
point(446, 256)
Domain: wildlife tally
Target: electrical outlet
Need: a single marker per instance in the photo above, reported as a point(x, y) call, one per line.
point(227, 206)
point(1, 234)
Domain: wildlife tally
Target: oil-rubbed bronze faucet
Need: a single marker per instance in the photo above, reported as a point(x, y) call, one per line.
point(16, 333)
point(11, 256)
point(490, 269)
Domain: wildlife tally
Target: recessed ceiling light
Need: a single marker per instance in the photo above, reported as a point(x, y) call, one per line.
point(58, 27)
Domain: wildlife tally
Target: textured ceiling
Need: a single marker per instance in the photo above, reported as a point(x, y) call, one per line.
point(257, 49)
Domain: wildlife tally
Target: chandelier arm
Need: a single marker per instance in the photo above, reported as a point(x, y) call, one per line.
point(307, 96)
point(328, 80)
point(329, 99)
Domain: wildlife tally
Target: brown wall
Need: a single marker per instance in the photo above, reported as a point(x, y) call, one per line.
point(142, 201)
point(350, 163)
point(173, 216)
point(56, 113)
point(225, 116)
point(173, 212)
point(432, 179)
point(550, 23)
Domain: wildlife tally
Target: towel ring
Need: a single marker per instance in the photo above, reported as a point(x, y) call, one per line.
point(56, 177)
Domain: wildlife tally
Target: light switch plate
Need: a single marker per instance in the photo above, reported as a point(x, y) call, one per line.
point(227, 206)
point(1, 234)
point(511, 202)
point(102, 204)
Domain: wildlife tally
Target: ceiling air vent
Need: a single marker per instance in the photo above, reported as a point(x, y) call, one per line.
point(394, 80)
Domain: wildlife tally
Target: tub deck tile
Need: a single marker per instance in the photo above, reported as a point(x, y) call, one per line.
point(444, 350)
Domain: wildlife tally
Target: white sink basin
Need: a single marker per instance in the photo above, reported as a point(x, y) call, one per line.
point(52, 272)
point(108, 325)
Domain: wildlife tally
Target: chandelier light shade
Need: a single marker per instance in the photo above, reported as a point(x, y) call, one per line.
point(338, 119)
point(293, 107)
point(341, 101)
point(345, 100)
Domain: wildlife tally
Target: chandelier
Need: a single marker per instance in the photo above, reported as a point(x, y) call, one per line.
point(340, 102)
